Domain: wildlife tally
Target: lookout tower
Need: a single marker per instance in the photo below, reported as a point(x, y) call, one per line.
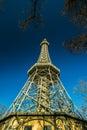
point(43, 103)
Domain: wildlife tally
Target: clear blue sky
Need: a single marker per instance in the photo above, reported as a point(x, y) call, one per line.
point(20, 50)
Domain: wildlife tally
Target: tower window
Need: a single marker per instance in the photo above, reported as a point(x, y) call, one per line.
point(28, 128)
point(47, 128)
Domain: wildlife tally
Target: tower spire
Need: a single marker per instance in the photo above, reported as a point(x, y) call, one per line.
point(44, 61)
point(44, 54)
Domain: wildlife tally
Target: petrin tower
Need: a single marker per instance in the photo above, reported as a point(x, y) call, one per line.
point(43, 103)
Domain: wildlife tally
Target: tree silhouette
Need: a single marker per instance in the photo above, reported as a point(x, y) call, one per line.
point(81, 90)
point(34, 16)
point(2, 110)
point(77, 44)
point(1, 4)
point(78, 11)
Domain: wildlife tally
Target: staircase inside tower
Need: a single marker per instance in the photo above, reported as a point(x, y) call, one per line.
point(43, 92)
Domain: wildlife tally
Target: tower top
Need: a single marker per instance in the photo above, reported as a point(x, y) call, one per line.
point(44, 42)
point(44, 54)
point(44, 59)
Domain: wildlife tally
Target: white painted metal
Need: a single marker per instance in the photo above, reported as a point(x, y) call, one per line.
point(43, 92)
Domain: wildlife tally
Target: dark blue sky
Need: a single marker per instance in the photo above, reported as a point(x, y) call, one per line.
point(20, 50)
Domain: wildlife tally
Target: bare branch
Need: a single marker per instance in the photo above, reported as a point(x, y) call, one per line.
point(2, 110)
point(78, 11)
point(34, 16)
point(81, 90)
point(1, 4)
point(77, 44)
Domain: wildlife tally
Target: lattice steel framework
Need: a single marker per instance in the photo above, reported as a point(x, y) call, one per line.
point(43, 92)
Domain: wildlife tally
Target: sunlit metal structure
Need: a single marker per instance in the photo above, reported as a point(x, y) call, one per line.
point(43, 103)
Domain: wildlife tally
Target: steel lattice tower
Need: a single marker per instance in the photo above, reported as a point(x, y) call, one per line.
point(43, 92)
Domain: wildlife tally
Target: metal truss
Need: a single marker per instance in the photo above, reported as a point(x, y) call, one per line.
point(43, 92)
